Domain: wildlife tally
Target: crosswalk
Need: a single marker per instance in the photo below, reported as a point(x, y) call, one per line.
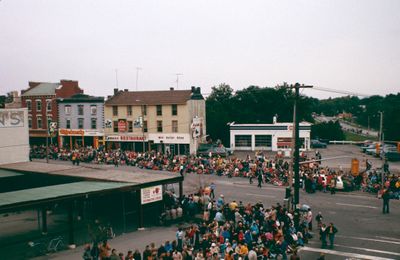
point(352, 247)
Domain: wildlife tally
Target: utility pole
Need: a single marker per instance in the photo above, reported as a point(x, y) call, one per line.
point(116, 78)
point(381, 127)
point(296, 153)
point(177, 79)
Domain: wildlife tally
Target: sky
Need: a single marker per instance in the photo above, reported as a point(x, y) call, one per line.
point(338, 44)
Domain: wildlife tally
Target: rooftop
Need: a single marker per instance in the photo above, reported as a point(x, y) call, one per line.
point(80, 98)
point(42, 89)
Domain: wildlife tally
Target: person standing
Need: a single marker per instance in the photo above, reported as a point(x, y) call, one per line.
point(333, 185)
point(332, 230)
point(212, 190)
point(260, 179)
point(385, 198)
point(309, 218)
point(322, 235)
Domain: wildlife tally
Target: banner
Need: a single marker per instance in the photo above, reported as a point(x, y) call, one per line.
point(151, 194)
point(11, 118)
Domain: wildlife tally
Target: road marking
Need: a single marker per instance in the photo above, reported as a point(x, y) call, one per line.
point(363, 249)
point(371, 239)
point(260, 195)
point(346, 254)
point(398, 239)
point(358, 206)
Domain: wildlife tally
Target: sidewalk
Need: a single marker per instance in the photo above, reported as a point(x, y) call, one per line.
point(125, 242)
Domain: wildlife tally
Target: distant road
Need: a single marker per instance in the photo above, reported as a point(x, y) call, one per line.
point(347, 127)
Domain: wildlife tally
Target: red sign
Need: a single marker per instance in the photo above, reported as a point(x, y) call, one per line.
point(121, 126)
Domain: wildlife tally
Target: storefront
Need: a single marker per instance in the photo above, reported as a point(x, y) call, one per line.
point(268, 137)
point(80, 137)
point(136, 143)
point(176, 144)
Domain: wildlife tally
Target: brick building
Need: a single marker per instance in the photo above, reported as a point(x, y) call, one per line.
point(40, 99)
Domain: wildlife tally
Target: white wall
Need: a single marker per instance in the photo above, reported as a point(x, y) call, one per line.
point(14, 135)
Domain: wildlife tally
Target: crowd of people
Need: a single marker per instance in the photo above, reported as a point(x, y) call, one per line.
point(227, 230)
point(264, 169)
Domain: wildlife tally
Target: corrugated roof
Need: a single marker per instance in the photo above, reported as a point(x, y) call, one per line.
point(163, 97)
point(56, 191)
point(42, 89)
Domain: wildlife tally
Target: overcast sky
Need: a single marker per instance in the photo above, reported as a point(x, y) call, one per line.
point(346, 45)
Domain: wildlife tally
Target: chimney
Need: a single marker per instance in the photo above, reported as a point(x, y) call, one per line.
point(115, 91)
point(33, 84)
point(171, 88)
point(193, 89)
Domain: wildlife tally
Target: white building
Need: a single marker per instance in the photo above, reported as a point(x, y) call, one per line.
point(14, 133)
point(269, 137)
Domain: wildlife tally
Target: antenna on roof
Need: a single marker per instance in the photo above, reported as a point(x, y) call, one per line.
point(177, 79)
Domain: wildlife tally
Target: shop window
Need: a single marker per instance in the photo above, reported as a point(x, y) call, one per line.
point(93, 123)
point(115, 110)
point(159, 126)
point(159, 110)
point(263, 141)
point(174, 109)
point(174, 126)
point(243, 140)
point(67, 110)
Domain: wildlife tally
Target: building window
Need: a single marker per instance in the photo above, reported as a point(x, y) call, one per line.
point(29, 105)
point(174, 110)
point(49, 120)
point(115, 110)
point(67, 110)
point(93, 123)
point(159, 110)
point(48, 105)
point(68, 123)
point(145, 126)
point(115, 126)
point(129, 110)
point(263, 141)
point(30, 122)
point(243, 140)
point(80, 123)
point(159, 126)
point(80, 110)
point(130, 126)
point(144, 110)
point(39, 122)
point(93, 110)
point(38, 105)
point(174, 126)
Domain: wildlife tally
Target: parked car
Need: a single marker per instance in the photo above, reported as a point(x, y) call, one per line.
point(317, 144)
point(364, 148)
point(390, 154)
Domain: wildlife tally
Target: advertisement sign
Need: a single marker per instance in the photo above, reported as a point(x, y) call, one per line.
point(170, 138)
point(151, 194)
point(79, 132)
point(11, 118)
point(197, 127)
point(121, 125)
point(125, 138)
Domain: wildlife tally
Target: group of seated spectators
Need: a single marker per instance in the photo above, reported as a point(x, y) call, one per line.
point(217, 229)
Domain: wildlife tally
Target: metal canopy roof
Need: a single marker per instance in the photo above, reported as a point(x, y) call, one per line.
point(37, 195)
point(6, 173)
